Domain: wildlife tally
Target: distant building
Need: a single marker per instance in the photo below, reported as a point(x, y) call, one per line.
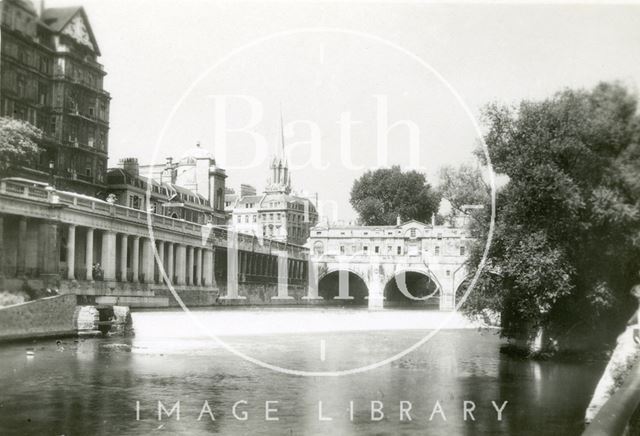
point(51, 78)
point(276, 214)
point(191, 189)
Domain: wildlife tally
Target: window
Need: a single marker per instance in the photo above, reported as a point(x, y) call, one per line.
point(42, 93)
point(342, 249)
point(448, 273)
point(412, 233)
point(399, 250)
point(437, 251)
point(21, 85)
point(365, 249)
point(439, 236)
point(377, 249)
point(461, 251)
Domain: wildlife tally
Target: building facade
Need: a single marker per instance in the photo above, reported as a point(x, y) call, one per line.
point(52, 79)
point(412, 238)
point(191, 189)
point(277, 214)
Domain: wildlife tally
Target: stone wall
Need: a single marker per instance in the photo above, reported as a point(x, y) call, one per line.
point(51, 316)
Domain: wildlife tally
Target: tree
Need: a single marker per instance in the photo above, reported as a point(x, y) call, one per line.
point(380, 196)
point(17, 143)
point(566, 247)
point(462, 185)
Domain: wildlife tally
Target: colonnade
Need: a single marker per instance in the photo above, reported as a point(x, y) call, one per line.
point(131, 258)
point(261, 266)
point(33, 246)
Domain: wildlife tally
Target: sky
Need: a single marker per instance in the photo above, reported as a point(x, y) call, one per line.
point(187, 71)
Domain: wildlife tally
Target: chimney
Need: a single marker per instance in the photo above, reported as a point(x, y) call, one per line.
point(42, 7)
point(398, 222)
point(130, 165)
point(433, 220)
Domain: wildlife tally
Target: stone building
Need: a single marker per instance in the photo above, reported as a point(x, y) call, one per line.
point(411, 238)
point(191, 189)
point(52, 79)
point(278, 213)
point(52, 240)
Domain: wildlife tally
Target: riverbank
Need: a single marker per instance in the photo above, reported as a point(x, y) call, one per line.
point(60, 316)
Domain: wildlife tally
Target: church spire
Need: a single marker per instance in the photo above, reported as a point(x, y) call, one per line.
point(281, 178)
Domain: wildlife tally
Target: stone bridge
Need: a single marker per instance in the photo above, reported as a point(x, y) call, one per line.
point(411, 263)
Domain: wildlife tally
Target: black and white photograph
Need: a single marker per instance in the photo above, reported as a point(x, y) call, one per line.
point(319, 217)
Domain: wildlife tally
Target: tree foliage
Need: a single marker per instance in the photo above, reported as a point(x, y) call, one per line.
point(381, 195)
point(18, 143)
point(460, 186)
point(566, 247)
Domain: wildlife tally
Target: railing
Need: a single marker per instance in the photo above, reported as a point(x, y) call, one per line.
point(615, 416)
point(37, 192)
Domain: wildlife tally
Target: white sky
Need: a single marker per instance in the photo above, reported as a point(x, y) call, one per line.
point(154, 50)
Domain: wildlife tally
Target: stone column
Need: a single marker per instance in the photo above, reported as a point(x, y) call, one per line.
point(161, 257)
point(88, 254)
point(343, 286)
point(283, 276)
point(21, 251)
point(232, 268)
point(207, 267)
point(109, 255)
point(148, 261)
point(190, 265)
point(135, 259)
point(312, 281)
point(197, 280)
point(71, 252)
point(48, 248)
point(181, 264)
point(170, 270)
point(123, 257)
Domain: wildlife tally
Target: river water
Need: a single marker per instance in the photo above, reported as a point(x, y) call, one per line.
point(113, 385)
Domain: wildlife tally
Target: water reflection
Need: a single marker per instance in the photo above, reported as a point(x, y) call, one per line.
point(93, 385)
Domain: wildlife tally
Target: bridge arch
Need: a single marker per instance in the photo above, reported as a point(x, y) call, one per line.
point(421, 284)
point(356, 289)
